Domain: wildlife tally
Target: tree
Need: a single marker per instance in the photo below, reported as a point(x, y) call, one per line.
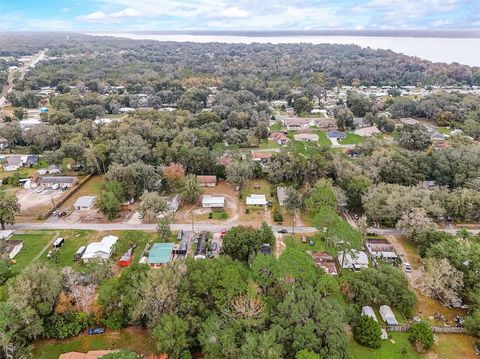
point(8, 207)
point(134, 177)
point(163, 228)
point(12, 133)
point(367, 332)
point(344, 118)
point(152, 204)
point(19, 113)
point(421, 336)
point(191, 189)
point(307, 354)
point(302, 105)
point(241, 242)
point(442, 281)
point(265, 271)
point(414, 137)
point(109, 204)
point(414, 222)
point(322, 194)
point(171, 335)
point(293, 200)
point(5, 270)
point(173, 174)
point(261, 345)
point(238, 172)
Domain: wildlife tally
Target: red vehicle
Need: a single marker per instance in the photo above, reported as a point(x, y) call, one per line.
point(127, 257)
point(223, 232)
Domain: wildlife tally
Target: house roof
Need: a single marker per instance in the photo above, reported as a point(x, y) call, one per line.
point(306, 136)
point(207, 179)
point(85, 201)
point(256, 199)
point(277, 136)
point(325, 261)
point(57, 179)
point(160, 253)
point(367, 131)
point(281, 195)
point(380, 246)
point(92, 354)
point(336, 134)
point(5, 234)
point(213, 200)
point(11, 244)
point(96, 249)
point(358, 258)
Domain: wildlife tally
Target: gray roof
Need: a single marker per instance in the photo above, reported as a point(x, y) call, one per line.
point(281, 195)
point(57, 179)
point(85, 201)
point(336, 134)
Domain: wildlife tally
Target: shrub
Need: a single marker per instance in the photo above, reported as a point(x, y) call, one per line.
point(367, 332)
point(421, 336)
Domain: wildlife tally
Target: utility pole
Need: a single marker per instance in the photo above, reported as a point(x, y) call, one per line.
point(193, 223)
point(293, 223)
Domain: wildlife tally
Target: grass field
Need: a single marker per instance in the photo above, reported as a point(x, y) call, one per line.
point(33, 243)
point(268, 144)
point(443, 130)
point(276, 126)
point(296, 242)
point(90, 188)
point(352, 139)
point(400, 349)
point(323, 139)
point(137, 340)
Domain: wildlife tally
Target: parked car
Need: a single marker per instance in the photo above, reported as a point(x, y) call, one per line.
point(55, 213)
point(58, 242)
point(141, 215)
point(304, 239)
point(223, 232)
point(407, 267)
point(55, 186)
point(95, 331)
point(283, 231)
point(214, 247)
point(311, 243)
point(62, 214)
point(41, 189)
point(210, 255)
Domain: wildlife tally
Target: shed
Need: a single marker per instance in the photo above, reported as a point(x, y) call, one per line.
point(214, 202)
point(126, 258)
point(355, 260)
point(43, 110)
point(85, 203)
point(54, 170)
point(173, 203)
point(160, 254)
point(6, 234)
point(387, 315)
point(258, 200)
point(380, 248)
point(12, 247)
point(207, 181)
point(368, 311)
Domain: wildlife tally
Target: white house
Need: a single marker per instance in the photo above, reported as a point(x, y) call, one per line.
point(355, 260)
point(85, 203)
point(100, 250)
point(387, 315)
point(258, 200)
point(306, 137)
point(5, 235)
point(217, 202)
point(367, 131)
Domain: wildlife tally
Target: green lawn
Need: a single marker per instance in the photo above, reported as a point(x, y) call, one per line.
point(296, 242)
point(257, 187)
point(137, 340)
point(304, 148)
point(443, 130)
point(402, 349)
point(323, 139)
point(33, 243)
point(352, 139)
point(268, 144)
point(276, 126)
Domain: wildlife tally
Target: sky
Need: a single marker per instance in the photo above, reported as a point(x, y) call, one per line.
point(135, 15)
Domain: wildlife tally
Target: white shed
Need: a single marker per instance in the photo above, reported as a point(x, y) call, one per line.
point(213, 202)
point(258, 200)
point(100, 250)
point(84, 203)
point(355, 260)
point(387, 315)
point(368, 311)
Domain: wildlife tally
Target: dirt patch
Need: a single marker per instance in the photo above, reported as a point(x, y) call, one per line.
point(34, 204)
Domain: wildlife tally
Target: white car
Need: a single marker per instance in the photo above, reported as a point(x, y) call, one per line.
point(407, 267)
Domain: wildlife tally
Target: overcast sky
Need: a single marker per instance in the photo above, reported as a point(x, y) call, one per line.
point(238, 15)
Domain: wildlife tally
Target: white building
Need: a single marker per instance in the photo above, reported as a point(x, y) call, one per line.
point(258, 200)
point(101, 251)
point(217, 202)
point(355, 260)
point(85, 203)
point(387, 315)
point(6, 234)
point(12, 248)
point(368, 311)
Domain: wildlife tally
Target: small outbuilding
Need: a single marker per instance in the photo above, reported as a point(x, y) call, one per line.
point(380, 248)
point(213, 202)
point(6, 234)
point(325, 261)
point(368, 312)
point(256, 200)
point(207, 181)
point(355, 260)
point(85, 203)
point(12, 248)
point(101, 251)
point(387, 315)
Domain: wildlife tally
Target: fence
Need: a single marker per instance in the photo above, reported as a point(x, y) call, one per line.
point(443, 330)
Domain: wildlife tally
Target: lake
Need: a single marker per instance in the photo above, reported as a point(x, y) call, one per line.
point(462, 50)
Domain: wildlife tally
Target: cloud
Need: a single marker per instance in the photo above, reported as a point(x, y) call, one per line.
point(114, 17)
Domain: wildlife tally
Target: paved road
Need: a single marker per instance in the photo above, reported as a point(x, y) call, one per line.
point(143, 227)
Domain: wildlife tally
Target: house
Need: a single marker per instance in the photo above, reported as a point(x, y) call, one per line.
point(62, 181)
point(12, 247)
point(368, 312)
point(355, 260)
point(173, 203)
point(28, 123)
point(262, 157)
point(367, 131)
point(201, 251)
point(101, 251)
point(160, 254)
point(387, 315)
point(207, 181)
point(380, 248)
point(5, 235)
point(430, 185)
point(85, 203)
point(282, 195)
point(306, 137)
point(257, 200)
point(54, 170)
point(279, 137)
point(295, 124)
point(336, 134)
point(29, 160)
point(214, 202)
point(437, 136)
point(279, 103)
point(360, 122)
point(325, 261)
point(13, 163)
point(92, 354)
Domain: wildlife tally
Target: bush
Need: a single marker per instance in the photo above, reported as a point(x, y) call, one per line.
point(367, 332)
point(64, 326)
point(277, 215)
point(421, 336)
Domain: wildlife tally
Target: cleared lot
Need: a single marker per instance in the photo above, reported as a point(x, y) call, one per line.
point(34, 204)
